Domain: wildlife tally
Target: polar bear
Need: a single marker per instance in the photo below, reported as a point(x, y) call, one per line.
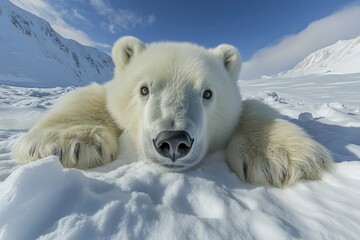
point(177, 102)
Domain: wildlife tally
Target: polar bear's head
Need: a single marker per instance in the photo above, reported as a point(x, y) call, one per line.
point(177, 101)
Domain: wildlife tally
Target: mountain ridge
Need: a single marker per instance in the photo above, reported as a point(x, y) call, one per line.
point(343, 57)
point(34, 54)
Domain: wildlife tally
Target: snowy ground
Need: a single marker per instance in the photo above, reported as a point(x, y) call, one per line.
point(138, 201)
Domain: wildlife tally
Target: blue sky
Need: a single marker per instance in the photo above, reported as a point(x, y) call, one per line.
point(255, 27)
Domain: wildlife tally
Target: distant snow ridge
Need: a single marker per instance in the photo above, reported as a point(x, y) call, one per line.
point(33, 54)
point(342, 57)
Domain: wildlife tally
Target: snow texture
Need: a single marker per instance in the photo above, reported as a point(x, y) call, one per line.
point(130, 199)
point(33, 54)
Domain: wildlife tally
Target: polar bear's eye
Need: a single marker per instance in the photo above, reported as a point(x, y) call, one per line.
point(207, 94)
point(144, 91)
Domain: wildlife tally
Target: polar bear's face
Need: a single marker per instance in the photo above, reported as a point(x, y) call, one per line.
point(177, 101)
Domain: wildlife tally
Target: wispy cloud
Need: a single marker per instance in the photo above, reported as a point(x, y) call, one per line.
point(75, 14)
point(341, 25)
point(56, 19)
point(118, 20)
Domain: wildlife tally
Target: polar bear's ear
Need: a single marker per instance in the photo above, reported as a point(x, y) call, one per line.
point(230, 57)
point(124, 50)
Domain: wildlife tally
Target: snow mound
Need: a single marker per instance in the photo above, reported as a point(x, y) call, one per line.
point(139, 201)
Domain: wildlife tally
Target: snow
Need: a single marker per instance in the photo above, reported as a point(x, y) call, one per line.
point(342, 57)
point(136, 200)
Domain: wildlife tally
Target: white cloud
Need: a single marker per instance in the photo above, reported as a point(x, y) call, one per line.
point(119, 19)
point(56, 19)
point(292, 49)
point(75, 13)
point(101, 6)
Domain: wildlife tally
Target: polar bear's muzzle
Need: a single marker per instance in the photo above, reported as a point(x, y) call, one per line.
point(173, 144)
point(174, 129)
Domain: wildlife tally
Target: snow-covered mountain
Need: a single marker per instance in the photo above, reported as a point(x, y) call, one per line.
point(343, 57)
point(33, 54)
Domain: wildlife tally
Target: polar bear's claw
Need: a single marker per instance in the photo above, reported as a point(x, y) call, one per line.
point(58, 151)
point(32, 151)
point(267, 173)
point(245, 169)
point(77, 151)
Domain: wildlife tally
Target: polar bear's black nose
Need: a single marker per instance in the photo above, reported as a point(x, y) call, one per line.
point(173, 144)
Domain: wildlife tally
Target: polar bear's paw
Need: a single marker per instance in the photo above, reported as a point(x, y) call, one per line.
point(82, 146)
point(279, 155)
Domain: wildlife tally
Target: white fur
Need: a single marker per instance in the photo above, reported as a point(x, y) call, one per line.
point(266, 149)
point(177, 76)
point(84, 127)
point(78, 129)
